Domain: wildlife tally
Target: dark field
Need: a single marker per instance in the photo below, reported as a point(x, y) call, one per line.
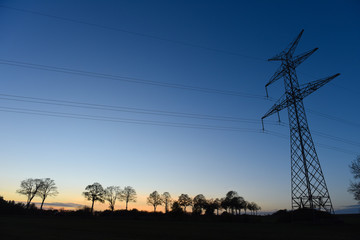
point(73, 227)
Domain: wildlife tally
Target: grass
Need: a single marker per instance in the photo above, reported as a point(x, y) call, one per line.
point(73, 227)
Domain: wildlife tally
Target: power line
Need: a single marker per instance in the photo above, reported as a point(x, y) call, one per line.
point(153, 123)
point(122, 120)
point(127, 79)
point(104, 107)
point(133, 33)
point(328, 116)
point(353, 91)
point(326, 135)
point(162, 84)
point(137, 80)
point(75, 104)
point(279, 135)
point(335, 138)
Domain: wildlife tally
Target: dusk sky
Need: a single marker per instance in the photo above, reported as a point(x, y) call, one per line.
point(168, 96)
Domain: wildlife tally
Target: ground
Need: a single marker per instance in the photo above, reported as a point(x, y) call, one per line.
point(74, 227)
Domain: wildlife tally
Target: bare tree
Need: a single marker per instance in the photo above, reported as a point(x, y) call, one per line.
point(355, 186)
point(48, 188)
point(210, 206)
point(176, 208)
point(30, 188)
point(184, 201)
point(254, 208)
point(167, 200)
point(128, 195)
point(217, 205)
point(225, 204)
point(231, 199)
point(199, 203)
point(111, 194)
point(93, 193)
point(154, 199)
point(245, 206)
point(251, 207)
point(237, 204)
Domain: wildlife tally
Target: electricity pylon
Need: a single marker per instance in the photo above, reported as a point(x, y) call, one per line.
point(308, 187)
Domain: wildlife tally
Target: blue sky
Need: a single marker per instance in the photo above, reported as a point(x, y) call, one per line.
point(219, 45)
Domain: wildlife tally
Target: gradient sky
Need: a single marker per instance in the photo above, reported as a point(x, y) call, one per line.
point(207, 44)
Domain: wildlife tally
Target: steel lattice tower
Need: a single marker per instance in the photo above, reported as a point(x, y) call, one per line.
point(308, 187)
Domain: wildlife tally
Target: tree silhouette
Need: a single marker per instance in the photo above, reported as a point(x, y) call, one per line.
point(225, 204)
point(210, 206)
point(355, 186)
point(253, 207)
point(30, 188)
point(184, 201)
point(237, 203)
point(93, 193)
point(258, 208)
point(245, 205)
point(154, 199)
point(230, 200)
point(176, 208)
point(111, 194)
point(47, 188)
point(167, 200)
point(128, 195)
point(217, 205)
point(199, 203)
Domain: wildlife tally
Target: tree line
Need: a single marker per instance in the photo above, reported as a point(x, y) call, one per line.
point(232, 203)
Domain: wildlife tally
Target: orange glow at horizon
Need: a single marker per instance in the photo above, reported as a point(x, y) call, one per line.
point(56, 204)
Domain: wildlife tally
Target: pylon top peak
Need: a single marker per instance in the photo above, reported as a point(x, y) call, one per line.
point(287, 58)
point(288, 52)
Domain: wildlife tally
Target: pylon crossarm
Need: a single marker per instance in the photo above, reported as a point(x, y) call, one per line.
point(311, 87)
point(277, 107)
point(302, 57)
point(278, 74)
